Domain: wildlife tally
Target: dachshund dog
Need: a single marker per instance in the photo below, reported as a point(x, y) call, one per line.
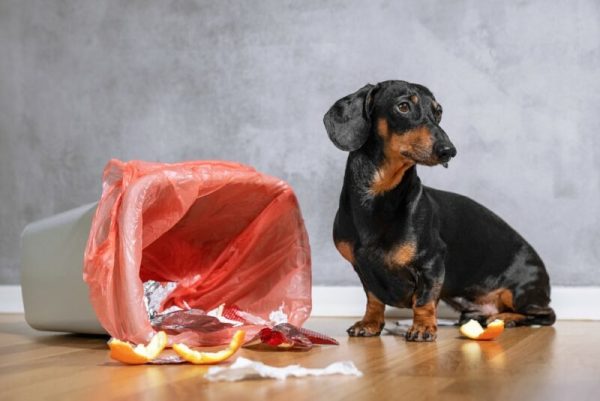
point(412, 245)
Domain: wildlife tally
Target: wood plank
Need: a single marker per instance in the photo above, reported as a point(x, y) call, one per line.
point(548, 363)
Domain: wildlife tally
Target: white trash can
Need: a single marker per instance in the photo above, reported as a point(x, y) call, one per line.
point(55, 296)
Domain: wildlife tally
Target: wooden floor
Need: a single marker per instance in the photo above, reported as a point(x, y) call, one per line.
point(550, 363)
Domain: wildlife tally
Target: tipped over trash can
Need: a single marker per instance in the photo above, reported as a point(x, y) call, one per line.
point(205, 235)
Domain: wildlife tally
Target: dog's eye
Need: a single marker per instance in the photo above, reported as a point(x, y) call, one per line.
point(403, 107)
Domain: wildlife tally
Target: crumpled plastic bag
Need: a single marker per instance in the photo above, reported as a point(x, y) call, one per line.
point(223, 232)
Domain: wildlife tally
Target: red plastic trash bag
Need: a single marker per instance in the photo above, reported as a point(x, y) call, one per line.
point(222, 233)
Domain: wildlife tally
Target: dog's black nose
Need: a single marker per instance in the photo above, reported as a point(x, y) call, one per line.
point(445, 152)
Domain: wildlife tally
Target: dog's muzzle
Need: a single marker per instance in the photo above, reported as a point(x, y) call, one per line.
point(444, 152)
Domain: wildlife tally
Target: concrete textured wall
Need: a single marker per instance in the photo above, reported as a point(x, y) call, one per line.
point(85, 81)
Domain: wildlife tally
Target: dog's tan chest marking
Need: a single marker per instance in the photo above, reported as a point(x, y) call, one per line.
point(402, 255)
point(346, 250)
point(388, 177)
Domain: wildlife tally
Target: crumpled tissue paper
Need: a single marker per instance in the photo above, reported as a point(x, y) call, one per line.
point(244, 368)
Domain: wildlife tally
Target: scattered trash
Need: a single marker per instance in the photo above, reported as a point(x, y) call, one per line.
point(125, 352)
point(184, 320)
point(244, 368)
point(289, 337)
point(207, 358)
point(168, 357)
point(473, 330)
point(154, 295)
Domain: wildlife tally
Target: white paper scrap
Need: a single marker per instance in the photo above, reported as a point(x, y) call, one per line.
point(244, 368)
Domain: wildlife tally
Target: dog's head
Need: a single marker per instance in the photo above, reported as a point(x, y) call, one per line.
point(404, 116)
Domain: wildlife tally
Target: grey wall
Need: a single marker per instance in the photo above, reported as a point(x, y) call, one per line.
point(85, 81)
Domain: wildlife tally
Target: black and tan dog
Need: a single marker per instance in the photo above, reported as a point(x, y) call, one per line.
point(412, 245)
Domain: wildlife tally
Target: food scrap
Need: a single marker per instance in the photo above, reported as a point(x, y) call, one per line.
point(473, 330)
point(207, 358)
point(289, 337)
point(125, 352)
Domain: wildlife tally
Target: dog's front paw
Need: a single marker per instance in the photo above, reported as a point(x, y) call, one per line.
point(419, 332)
point(364, 328)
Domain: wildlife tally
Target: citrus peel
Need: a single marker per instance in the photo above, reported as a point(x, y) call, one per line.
point(207, 358)
point(125, 352)
point(473, 330)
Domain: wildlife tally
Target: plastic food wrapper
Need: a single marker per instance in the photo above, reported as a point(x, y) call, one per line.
point(244, 368)
point(286, 336)
point(196, 320)
point(170, 243)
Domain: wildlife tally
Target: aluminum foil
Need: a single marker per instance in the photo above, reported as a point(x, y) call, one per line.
point(155, 293)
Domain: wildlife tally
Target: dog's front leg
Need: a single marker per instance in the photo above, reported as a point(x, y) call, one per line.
point(424, 302)
point(372, 322)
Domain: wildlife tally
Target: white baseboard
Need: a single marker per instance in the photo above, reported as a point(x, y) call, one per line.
point(11, 300)
point(569, 303)
point(351, 302)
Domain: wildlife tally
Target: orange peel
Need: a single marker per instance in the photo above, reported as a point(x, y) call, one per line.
point(208, 358)
point(125, 352)
point(473, 330)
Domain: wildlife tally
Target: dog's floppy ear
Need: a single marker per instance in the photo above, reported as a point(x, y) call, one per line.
point(348, 121)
